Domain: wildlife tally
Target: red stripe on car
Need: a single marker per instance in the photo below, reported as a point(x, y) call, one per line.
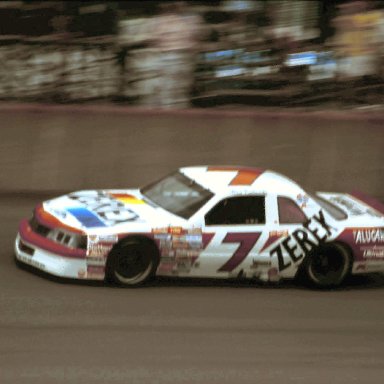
point(33, 238)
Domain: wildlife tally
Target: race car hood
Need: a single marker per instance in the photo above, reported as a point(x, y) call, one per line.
point(122, 210)
point(358, 209)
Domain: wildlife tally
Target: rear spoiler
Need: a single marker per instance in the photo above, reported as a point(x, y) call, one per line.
point(371, 201)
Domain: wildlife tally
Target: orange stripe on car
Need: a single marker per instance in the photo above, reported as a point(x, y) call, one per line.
point(244, 176)
point(127, 199)
point(51, 221)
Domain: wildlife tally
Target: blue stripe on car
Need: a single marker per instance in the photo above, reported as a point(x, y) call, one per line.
point(86, 217)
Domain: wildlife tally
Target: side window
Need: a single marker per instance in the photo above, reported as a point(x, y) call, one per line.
point(240, 210)
point(289, 211)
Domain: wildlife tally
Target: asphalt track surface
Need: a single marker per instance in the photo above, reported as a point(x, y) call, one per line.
point(176, 331)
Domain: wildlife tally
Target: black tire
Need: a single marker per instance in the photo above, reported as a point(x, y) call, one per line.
point(327, 266)
point(132, 262)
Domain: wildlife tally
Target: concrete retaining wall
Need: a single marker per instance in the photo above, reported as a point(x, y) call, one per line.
point(62, 150)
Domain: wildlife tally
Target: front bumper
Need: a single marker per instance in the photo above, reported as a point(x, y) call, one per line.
point(48, 262)
point(56, 259)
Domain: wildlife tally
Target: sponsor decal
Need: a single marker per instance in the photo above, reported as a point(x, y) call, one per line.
point(314, 232)
point(189, 254)
point(186, 259)
point(60, 214)
point(103, 238)
point(98, 249)
point(179, 247)
point(167, 267)
point(160, 231)
point(272, 238)
point(302, 200)
point(367, 267)
point(360, 267)
point(101, 260)
point(186, 241)
point(175, 230)
point(81, 273)
point(374, 253)
point(257, 263)
point(100, 210)
point(30, 261)
point(368, 235)
point(367, 243)
point(165, 246)
point(168, 253)
point(168, 230)
point(375, 204)
point(278, 233)
point(184, 266)
point(273, 274)
point(352, 207)
point(166, 237)
point(95, 272)
point(180, 244)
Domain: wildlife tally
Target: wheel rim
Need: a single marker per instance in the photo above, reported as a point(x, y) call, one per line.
point(132, 265)
point(329, 268)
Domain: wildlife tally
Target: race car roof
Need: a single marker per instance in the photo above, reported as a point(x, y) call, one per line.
point(221, 179)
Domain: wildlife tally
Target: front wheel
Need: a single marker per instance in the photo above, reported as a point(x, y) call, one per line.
point(327, 266)
point(132, 262)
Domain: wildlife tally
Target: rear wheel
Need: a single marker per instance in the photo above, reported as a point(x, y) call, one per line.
point(132, 262)
point(327, 266)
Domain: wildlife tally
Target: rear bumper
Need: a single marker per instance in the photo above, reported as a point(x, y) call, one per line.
point(370, 266)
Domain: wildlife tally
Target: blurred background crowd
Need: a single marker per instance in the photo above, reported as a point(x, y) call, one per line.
point(193, 53)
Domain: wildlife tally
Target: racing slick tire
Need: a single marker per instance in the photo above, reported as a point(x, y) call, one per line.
point(132, 262)
point(327, 266)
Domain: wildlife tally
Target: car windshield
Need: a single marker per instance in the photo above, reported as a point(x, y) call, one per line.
point(334, 211)
point(177, 194)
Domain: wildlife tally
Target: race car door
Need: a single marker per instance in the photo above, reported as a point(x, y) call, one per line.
point(233, 228)
point(290, 217)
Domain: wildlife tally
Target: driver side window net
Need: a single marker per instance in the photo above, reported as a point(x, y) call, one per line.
point(290, 212)
point(242, 210)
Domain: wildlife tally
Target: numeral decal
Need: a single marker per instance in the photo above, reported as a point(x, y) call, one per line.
point(247, 242)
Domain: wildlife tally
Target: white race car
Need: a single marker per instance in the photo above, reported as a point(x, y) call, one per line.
point(206, 221)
